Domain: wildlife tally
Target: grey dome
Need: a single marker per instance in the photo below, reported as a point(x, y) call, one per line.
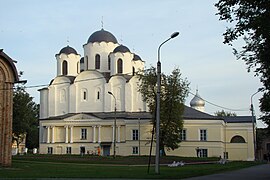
point(68, 50)
point(102, 36)
point(121, 48)
point(136, 57)
point(197, 101)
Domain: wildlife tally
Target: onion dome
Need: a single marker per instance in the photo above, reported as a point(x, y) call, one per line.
point(136, 57)
point(121, 48)
point(197, 101)
point(68, 50)
point(102, 36)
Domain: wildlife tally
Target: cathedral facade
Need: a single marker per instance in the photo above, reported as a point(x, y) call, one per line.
point(93, 106)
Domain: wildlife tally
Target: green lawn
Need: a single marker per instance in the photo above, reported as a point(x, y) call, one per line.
point(30, 167)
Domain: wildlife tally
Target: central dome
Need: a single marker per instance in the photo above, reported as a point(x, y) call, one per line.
point(102, 36)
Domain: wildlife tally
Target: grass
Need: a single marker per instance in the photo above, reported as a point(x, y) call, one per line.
point(61, 167)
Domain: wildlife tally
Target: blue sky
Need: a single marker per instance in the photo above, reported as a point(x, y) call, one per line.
point(33, 31)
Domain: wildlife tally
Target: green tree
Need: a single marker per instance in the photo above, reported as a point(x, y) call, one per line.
point(223, 113)
point(249, 21)
point(174, 90)
point(25, 118)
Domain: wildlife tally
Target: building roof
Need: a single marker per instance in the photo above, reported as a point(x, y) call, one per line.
point(121, 48)
point(136, 57)
point(237, 119)
point(10, 62)
point(189, 113)
point(68, 50)
point(102, 36)
point(197, 101)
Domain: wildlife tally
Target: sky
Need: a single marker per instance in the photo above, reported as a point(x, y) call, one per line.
point(33, 31)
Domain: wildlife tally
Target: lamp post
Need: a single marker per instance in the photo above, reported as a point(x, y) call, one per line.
point(114, 137)
point(158, 102)
point(253, 121)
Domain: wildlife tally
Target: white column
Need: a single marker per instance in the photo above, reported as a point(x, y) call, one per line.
point(99, 134)
point(48, 134)
point(52, 134)
point(118, 134)
point(113, 134)
point(94, 134)
point(66, 141)
point(71, 134)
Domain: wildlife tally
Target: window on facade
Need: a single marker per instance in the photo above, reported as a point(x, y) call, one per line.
point(83, 133)
point(84, 94)
point(237, 139)
point(120, 66)
point(135, 134)
point(203, 135)
point(109, 63)
point(135, 150)
point(64, 68)
point(50, 150)
point(97, 61)
point(203, 153)
point(98, 95)
point(183, 135)
point(133, 71)
point(68, 150)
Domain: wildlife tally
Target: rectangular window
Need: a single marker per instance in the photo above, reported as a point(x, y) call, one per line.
point(83, 133)
point(84, 95)
point(68, 150)
point(203, 153)
point(183, 135)
point(135, 134)
point(135, 150)
point(50, 150)
point(203, 134)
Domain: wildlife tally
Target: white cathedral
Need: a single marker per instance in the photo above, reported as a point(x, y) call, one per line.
point(77, 109)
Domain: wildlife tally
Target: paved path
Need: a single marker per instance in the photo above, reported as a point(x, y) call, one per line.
point(254, 172)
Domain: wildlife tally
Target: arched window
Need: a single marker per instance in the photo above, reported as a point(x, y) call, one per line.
point(98, 95)
point(238, 139)
point(84, 95)
point(97, 61)
point(109, 63)
point(64, 68)
point(120, 66)
point(133, 71)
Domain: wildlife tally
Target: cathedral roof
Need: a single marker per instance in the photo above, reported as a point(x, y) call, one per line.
point(136, 57)
point(102, 36)
point(68, 50)
point(121, 48)
point(197, 101)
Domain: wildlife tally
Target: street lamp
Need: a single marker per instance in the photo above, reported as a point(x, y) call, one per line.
point(114, 137)
point(158, 102)
point(253, 121)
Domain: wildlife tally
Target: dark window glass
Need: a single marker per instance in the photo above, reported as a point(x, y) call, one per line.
point(65, 68)
point(97, 61)
point(119, 66)
point(237, 139)
point(109, 63)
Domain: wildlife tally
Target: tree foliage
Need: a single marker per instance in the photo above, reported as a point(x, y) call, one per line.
point(250, 22)
point(174, 90)
point(223, 113)
point(25, 118)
